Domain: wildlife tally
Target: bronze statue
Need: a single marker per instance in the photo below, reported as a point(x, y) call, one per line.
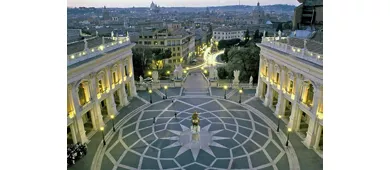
point(195, 119)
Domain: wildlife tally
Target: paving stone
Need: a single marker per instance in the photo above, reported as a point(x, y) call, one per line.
point(148, 163)
point(130, 159)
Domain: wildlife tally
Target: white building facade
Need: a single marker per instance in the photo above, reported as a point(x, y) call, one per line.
point(291, 84)
point(228, 34)
point(100, 81)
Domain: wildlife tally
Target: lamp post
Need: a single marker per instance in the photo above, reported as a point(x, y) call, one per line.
point(240, 91)
point(279, 117)
point(149, 73)
point(150, 96)
point(113, 122)
point(288, 135)
point(104, 141)
point(225, 87)
point(165, 88)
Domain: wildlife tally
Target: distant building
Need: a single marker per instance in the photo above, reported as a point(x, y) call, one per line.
point(180, 42)
point(106, 15)
point(227, 33)
point(154, 8)
point(73, 35)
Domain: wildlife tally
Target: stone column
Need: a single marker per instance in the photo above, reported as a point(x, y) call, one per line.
point(122, 95)
point(108, 78)
point(133, 90)
point(295, 104)
point(303, 96)
point(97, 113)
point(282, 78)
point(259, 82)
point(81, 131)
point(267, 95)
point(318, 137)
point(77, 120)
point(310, 135)
point(73, 131)
point(311, 132)
point(111, 107)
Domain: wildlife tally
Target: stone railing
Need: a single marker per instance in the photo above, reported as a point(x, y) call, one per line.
point(93, 52)
point(302, 53)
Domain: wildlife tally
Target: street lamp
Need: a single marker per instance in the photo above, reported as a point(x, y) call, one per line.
point(150, 95)
point(225, 87)
point(279, 116)
point(149, 73)
point(205, 71)
point(185, 71)
point(165, 88)
point(104, 141)
point(168, 72)
point(288, 135)
point(240, 91)
point(113, 122)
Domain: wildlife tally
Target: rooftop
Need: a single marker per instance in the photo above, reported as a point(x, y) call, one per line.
point(306, 49)
point(79, 46)
point(226, 29)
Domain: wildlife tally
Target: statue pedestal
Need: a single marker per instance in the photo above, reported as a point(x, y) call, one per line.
point(195, 129)
point(156, 85)
point(236, 84)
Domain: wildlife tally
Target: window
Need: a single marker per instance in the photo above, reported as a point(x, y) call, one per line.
point(140, 36)
point(178, 54)
point(173, 54)
point(310, 95)
point(145, 36)
point(178, 48)
point(173, 49)
point(114, 77)
point(277, 78)
point(291, 87)
point(150, 36)
point(215, 37)
point(161, 42)
point(266, 70)
point(126, 71)
point(100, 86)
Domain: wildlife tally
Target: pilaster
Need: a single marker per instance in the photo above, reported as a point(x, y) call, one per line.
point(97, 113)
point(73, 131)
point(81, 136)
point(267, 95)
point(111, 108)
point(259, 84)
point(122, 95)
point(109, 78)
point(318, 137)
point(310, 135)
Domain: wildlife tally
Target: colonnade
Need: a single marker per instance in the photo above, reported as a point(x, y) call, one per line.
point(298, 98)
point(95, 91)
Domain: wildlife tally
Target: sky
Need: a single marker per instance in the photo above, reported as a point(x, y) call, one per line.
point(172, 3)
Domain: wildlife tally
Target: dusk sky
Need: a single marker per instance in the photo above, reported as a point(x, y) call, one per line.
point(170, 3)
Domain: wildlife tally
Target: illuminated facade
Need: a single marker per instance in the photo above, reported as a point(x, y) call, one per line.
point(100, 80)
point(291, 84)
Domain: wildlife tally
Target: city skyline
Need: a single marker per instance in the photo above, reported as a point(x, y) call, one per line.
point(169, 3)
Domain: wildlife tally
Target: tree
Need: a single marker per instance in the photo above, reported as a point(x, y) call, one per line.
point(142, 58)
point(246, 36)
point(228, 43)
point(245, 59)
point(280, 27)
point(222, 73)
point(224, 56)
point(256, 36)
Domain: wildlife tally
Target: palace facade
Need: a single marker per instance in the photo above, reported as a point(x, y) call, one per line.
point(291, 83)
point(100, 82)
